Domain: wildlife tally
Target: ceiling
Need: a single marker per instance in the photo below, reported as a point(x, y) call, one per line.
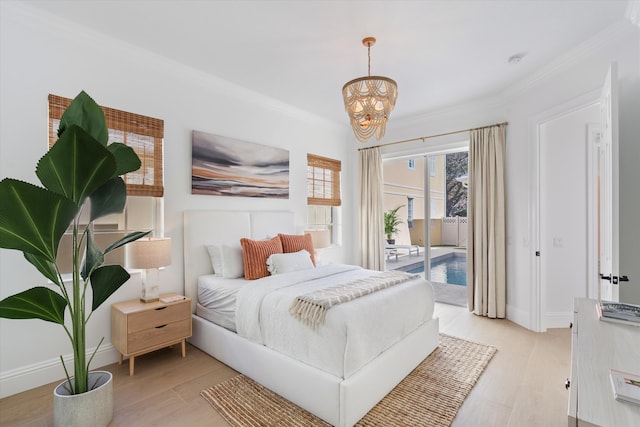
point(301, 52)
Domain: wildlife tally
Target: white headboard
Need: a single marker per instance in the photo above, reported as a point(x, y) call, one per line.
point(202, 228)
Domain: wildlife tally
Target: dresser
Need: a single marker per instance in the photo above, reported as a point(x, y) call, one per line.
point(596, 347)
point(138, 328)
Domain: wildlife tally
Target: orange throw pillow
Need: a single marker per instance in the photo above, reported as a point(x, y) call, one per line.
point(255, 254)
point(297, 242)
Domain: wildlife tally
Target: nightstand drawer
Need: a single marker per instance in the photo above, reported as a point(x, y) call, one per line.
point(138, 328)
point(155, 336)
point(149, 319)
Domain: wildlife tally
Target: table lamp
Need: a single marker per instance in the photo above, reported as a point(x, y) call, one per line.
point(321, 239)
point(148, 254)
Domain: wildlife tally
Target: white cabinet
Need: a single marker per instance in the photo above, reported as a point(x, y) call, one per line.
point(596, 347)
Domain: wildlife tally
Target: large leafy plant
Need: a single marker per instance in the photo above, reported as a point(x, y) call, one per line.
point(391, 222)
point(79, 166)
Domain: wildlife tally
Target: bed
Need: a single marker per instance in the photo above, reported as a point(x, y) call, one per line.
point(338, 389)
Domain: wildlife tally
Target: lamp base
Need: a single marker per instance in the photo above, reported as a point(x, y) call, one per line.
point(150, 288)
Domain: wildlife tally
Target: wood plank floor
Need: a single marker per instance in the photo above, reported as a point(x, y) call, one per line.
point(522, 386)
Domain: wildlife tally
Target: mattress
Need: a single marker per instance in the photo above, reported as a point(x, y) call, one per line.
point(353, 333)
point(217, 299)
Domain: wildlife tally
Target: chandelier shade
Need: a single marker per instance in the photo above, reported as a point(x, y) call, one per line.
point(369, 101)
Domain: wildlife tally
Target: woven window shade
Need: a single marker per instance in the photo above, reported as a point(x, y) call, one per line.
point(323, 181)
point(143, 134)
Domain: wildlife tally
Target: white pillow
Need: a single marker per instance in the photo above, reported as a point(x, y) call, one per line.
point(215, 253)
point(292, 261)
point(232, 263)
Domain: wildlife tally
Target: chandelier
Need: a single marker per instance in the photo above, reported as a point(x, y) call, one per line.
point(369, 101)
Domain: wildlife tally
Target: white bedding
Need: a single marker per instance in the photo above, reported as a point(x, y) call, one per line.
point(354, 332)
point(217, 299)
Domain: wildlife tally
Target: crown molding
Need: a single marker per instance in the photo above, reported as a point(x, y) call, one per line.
point(30, 16)
point(472, 106)
point(609, 36)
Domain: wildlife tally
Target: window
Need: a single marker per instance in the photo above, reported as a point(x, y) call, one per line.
point(410, 212)
point(412, 164)
point(143, 134)
point(323, 181)
point(432, 165)
point(323, 196)
point(144, 186)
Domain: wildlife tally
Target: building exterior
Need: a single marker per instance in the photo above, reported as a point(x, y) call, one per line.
point(404, 185)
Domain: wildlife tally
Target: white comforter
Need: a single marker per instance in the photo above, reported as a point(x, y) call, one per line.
point(353, 333)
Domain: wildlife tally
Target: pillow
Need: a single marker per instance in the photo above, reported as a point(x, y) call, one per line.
point(215, 253)
point(232, 264)
point(297, 242)
point(255, 254)
point(294, 261)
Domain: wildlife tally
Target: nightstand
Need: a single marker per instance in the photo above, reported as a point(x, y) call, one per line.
point(138, 328)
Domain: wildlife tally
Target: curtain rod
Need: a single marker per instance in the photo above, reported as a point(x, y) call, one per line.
point(422, 138)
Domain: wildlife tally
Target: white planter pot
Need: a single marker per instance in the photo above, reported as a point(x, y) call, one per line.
point(93, 408)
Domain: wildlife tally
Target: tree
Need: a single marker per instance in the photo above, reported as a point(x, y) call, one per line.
point(457, 165)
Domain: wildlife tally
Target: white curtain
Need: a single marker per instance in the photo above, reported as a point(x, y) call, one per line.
point(486, 283)
point(371, 215)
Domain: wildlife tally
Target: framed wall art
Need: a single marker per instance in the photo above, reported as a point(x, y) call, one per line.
point(223, 166)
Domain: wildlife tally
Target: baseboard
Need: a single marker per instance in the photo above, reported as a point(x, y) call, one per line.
point(48, 371)
point(557, 319)
point(518, 316)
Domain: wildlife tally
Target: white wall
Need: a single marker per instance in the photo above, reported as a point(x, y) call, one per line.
point(572, 77)
point(42, 55)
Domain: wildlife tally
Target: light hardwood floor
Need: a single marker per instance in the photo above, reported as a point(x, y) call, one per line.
point(522, 386)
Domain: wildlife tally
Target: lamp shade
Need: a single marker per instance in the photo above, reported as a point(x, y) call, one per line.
point(321, 238)
point(151, 252)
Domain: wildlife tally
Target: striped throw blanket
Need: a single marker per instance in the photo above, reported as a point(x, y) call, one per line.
point(311, 308)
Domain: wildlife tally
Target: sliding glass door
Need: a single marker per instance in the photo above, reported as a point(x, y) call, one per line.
point(429, 191)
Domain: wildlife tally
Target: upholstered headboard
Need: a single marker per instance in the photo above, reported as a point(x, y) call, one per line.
point(202, 228)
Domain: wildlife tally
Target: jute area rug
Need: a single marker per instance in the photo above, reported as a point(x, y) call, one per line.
point(430, 395)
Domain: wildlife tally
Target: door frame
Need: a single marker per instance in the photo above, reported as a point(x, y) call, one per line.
point(593, 146)
point(537, 293)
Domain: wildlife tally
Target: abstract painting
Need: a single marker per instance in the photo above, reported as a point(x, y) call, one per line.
point(223, 166)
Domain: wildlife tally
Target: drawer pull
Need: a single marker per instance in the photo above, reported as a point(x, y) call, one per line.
point(161, 326)
point(161, 308)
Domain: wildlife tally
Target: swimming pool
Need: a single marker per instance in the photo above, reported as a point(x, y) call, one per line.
point(451, 268)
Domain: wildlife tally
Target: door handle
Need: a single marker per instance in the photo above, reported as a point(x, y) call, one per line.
point(614, 279)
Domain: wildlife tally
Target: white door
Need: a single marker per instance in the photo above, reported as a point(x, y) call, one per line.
point(608, 228)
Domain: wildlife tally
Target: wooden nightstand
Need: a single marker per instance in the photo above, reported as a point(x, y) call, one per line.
point(138, 328)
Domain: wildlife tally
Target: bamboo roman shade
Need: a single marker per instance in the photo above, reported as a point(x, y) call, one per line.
point(323, 181)
point(143, 134)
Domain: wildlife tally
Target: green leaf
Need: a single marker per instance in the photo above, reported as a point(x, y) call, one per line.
point(44, 266)
point(33, 219)
point(109, 198)
point(105, 281)
point(126, 159)
point(35, 303)
point(93, 256)
point(76, 165)
point(85, 113)
point(131, 237)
